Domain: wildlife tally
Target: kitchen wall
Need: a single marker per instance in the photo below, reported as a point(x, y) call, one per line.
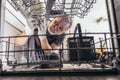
point(96, 21)
point(14, 23)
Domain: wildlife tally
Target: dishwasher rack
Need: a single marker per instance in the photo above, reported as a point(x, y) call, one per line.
point(97, 54)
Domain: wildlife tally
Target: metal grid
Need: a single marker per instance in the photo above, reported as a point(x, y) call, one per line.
point(53, 8)
point(22, 58)
point(28, 7)
point(19, 56)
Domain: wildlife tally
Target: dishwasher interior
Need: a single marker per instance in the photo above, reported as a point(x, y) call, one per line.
point(80, 51)
point(79, 54)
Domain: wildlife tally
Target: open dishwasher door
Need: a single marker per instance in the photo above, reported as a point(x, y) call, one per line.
point(93, 50)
